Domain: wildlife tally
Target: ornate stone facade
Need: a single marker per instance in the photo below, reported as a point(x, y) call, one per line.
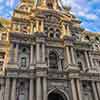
point(46, 55)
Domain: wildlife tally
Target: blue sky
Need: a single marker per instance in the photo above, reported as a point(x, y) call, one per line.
point(88, 11)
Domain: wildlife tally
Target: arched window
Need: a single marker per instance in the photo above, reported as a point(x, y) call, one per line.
point(53, 59)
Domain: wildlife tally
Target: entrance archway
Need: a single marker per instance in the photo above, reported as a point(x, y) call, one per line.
point(56, 96)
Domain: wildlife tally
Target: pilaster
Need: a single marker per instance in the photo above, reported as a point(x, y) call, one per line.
point(43, 52)
point(37, 52)
point(78, 89)
point(7, 89)
point(91, 61)
point(11, 54)
point(94, 91)
point(45, 92)
point(73, 56)
point(98, 89)
point(16, 53)
point(13, 91)
point(32, 57)
point(37, 25)
point(74, 92)
point(38, 89)
point(68, 55)
point(87, 59)
point(31, 90)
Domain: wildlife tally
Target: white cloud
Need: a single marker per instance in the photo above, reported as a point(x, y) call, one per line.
point(10, 3)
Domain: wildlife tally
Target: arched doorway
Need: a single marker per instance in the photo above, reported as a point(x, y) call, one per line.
point(56, 96)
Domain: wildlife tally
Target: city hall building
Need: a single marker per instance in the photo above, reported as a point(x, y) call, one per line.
point(46, 55)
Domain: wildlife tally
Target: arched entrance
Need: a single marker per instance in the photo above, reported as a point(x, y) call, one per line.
point(56, 96)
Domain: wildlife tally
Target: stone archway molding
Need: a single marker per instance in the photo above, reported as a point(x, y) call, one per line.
point(59, 91)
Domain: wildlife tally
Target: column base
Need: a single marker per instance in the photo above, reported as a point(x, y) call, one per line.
point(12, 65)
point(32, 66)
point(41, 65)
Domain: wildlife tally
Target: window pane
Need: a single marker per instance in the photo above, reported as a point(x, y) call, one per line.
point(23, 62)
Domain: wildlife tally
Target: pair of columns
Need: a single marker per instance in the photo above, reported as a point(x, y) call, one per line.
point(70, 55)
point(41, 90)
point(87, 60)
point(13, 90)
point(7, 89)
point(39, 26)
point(76, 91)
point(40, 56)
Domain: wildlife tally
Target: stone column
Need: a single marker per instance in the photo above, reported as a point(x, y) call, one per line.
point(31, 89)
point(11, 54)
point(98, 88)
point(31, 55)
point(94, 91)
point(31, 28)
point(16, 53)
point(59, 64)
point(45, 92)
point(64, 30)
point(37, 26)
point(44, 3)
point(55, 5)
point(73, 56)
point(0, 36)
point(42, 26)
point(74, 94)
point(7, 89)
point(2, 95)
point(38, 89)
point(43, 52)
point(87, 59)
point(13, 91)
point(92, 65)
point(68, 31)
point(68, 55)
point(8, 36)
point(78, 89)
point(37, 52)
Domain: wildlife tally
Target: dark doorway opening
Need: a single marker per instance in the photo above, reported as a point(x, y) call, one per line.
point(55, 96)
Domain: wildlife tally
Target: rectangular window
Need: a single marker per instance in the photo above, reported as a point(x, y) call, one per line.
point(1, 63)
point(2, 57)
point(23, 62)
point(3, 36)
